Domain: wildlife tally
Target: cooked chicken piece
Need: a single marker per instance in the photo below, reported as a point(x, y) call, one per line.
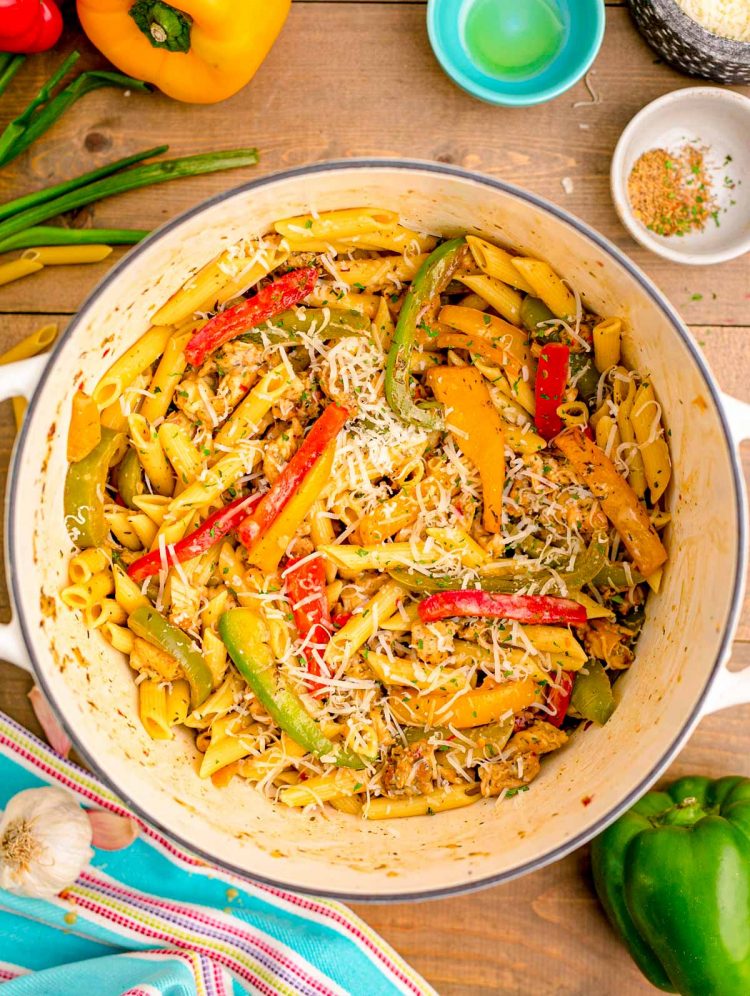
point(195, 398)
point(550, 492)
point(279, 446)
point(238, 365)
point(146, 657)
point(412, 768)
point(539, 738)
point(433, 642)
point(360, 591)
point(604, 640)
point(510, 774)
point(301, 545)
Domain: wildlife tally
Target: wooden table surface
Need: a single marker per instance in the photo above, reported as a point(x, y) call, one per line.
point(357, 78)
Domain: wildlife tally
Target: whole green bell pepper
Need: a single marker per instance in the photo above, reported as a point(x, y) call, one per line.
point(673, 875)
point(245, 635)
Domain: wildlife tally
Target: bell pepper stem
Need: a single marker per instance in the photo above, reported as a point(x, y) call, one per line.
point(163, 25)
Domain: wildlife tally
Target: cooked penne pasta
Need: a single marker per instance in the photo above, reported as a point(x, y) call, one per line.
point(177, 445)
point(607, 335)
point(454, 797)
point(645, 418)
point(547, 286)
point(335, 225)
point(506, 301)
point(152, 708)
point(497, 263)
point(85, 564)
point(151, 454)
point(86, 593)
point(223, 278)
point(130, 365)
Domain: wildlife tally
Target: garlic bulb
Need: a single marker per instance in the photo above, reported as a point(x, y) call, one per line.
point(45, 840)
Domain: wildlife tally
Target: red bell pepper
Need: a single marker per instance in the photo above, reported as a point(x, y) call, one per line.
point(558, 698)
point(549, 388)
point(201, 539)
point(273, 501)
point(29, 25)
point(306, 590)
point(341, 619)
point(490, 605)
point(278, 296)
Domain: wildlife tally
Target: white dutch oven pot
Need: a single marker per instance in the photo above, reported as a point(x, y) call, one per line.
point(679, 674)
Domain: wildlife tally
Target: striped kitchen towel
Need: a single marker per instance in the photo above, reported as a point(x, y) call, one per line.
point(205, 932)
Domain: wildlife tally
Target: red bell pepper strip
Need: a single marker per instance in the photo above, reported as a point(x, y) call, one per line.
point(29, 25)
point(558, 698)
point(273, 501)
point(201, 539)
point(549, 388)
point(341, 619)
point(306, 590)
point(490, 605)
point(278, 296)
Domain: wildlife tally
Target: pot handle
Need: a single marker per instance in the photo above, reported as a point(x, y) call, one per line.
point(18, 380)
point(732, 687)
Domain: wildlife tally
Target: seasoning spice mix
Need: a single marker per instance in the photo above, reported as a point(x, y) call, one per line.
point(671, 193)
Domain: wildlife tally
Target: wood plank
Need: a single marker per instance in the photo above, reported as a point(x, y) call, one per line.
point(322, 54)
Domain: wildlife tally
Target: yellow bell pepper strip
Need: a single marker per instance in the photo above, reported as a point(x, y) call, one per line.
point(271, 547)
point(83, 495)
point(433, 277)
point(479, 431)
point(478, 707)
point(151, 626)
point(619, 502)
point(245, 636)
point(290, 481)
point(199, 51)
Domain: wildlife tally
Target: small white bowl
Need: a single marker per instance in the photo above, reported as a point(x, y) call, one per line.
point(707, 117)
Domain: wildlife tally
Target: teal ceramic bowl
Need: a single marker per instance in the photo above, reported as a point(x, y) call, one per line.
point(583, 30)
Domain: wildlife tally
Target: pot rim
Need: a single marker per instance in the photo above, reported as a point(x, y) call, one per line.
point(419, 166)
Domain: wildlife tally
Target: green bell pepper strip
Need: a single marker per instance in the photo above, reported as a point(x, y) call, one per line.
point(433, 277)
point(673, 875)
point(586, 382)
point(588, 566)
point(130, 482)
point(615, 576)
point(246, 638)
point(84, 492)
point(288, 326)
point(592, 696)
point(151, 625)
point(533, 312)
point(488, 740)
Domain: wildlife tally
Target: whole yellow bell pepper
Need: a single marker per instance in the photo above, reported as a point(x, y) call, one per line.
point(201, 51)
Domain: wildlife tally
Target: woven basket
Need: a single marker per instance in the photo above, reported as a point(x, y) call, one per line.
point(687, 46)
